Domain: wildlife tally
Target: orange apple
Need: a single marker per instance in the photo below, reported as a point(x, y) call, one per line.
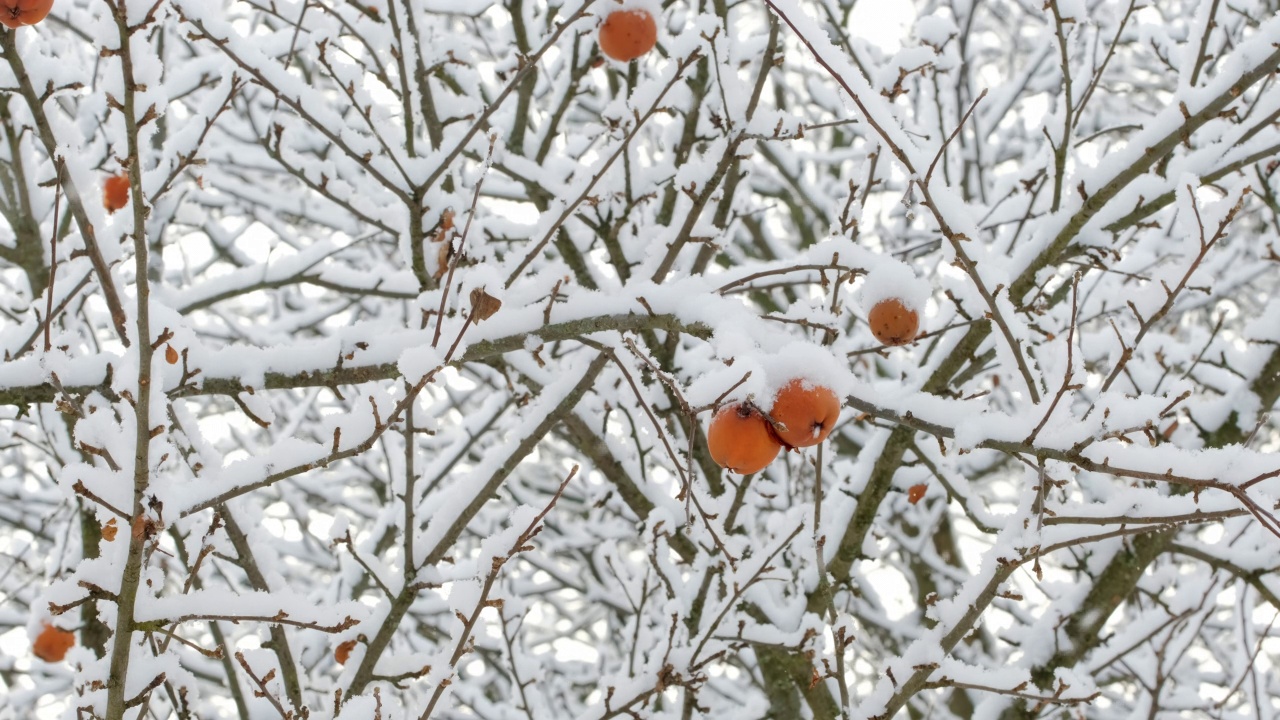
point(628, 34)
point(52, 643)
point(804, 413)
point(893, 323)
point(739, 439)
point(115, 191)
point(16, 13)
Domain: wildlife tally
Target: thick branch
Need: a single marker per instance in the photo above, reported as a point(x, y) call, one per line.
point(356, 374)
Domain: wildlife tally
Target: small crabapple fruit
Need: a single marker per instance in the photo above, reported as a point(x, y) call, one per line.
point(740, 439)
point(16, 13)
point(627, 34)
point(52, 643)
point(893, 323)
point(115, 191)
point(804, 413)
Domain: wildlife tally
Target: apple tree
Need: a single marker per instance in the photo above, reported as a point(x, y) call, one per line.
point(359, 355)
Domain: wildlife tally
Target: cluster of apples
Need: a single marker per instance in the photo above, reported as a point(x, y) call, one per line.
point(744, 438)
point(16, 13)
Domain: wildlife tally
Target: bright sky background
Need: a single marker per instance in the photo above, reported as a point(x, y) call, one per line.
point(882, 22)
